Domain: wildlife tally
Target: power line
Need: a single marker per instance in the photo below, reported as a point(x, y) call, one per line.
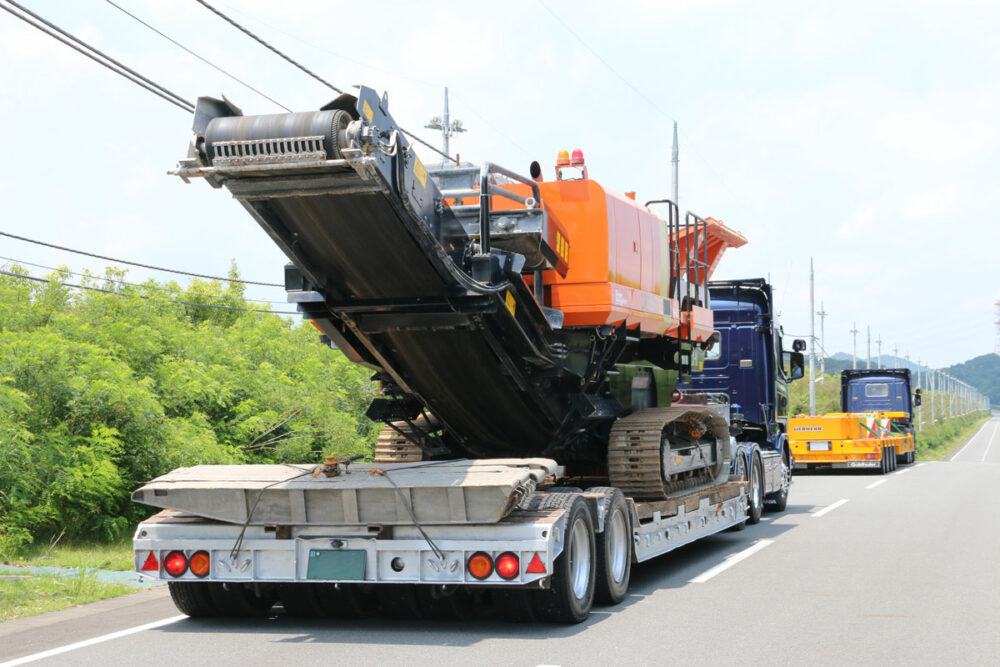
point(204, 60)
point(144, 266)
point(268, 46)
point(143, 296)
point(96, 55)
point(125, 282)
point(308, 71)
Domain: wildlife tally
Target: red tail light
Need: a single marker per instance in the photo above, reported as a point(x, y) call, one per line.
point(150, 564)
point(175, 563)
point(535, 565)
point(508, 566)
point(200, 563)
point(480, 565)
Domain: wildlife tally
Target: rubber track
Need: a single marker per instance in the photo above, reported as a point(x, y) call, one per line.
point(634, 451)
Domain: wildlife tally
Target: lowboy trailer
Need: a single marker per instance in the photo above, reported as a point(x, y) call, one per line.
point(528, 337)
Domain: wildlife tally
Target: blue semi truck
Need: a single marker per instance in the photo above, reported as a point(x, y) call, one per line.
point(749, 365)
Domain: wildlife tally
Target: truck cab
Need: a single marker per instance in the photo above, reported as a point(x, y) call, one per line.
point(748, 364)
point(877, 390)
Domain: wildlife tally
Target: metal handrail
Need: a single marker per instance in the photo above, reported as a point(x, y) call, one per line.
point(486, 189)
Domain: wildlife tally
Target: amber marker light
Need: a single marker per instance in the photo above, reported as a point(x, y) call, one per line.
point(200, 563)
point(480, 565)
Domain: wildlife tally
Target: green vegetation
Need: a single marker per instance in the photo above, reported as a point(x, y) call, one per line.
point(115, 555)
point(30, 595)
point(981, 372)
point(827, 396)
point(934, 442)
point(102, 391)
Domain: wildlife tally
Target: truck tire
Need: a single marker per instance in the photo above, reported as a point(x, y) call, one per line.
point(239, 600)
point(571, 593)
point(614, 549)
point(884, 463)
point(756, 491)
point(779, 501)
point(193, 598)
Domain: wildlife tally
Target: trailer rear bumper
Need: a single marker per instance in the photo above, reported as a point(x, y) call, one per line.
point(351, 554)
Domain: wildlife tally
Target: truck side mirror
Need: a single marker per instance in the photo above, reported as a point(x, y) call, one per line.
point(916, 398)
point(799, 345)
point(796, 365)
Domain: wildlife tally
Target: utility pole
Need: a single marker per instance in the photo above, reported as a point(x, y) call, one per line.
point(933, 386)
point(879, 343)
point(812, 342)
point(895, 354)
point(446, 125)
point(869, 329)
point(822, 341)
point(675, 165)
point(854, 354)
point(920, 408)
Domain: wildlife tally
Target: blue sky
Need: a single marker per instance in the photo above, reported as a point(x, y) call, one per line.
point(863, 134)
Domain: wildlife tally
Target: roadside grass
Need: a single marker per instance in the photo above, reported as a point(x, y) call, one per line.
point(22, 596)
point(101, 556)
point(935, 442)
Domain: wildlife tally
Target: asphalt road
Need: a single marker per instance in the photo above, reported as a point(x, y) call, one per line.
point(860, 569)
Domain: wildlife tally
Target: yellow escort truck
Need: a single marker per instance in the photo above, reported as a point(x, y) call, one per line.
point(874, 429)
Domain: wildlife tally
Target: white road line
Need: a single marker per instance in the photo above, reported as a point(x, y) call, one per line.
point(90, 642)
point(990, 443)
point(920, 465)
point(969, 442)
point(872, 486)
point(730, 561)
point(903, 472)
point(828, 508)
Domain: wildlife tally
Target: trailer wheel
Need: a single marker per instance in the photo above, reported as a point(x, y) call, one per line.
point(756, 491)
point(193, 598)
point(571, 592)
point(884, 469)
point(614, 549)
point(238, 600)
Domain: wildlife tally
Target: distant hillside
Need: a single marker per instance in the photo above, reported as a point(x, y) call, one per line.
point(983, 373)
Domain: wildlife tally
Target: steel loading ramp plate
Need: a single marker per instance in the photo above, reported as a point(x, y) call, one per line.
point(449, 492)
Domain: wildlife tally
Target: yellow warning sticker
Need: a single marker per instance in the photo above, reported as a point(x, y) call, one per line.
point(419, 171)
point(511, 304)
point(367, 111)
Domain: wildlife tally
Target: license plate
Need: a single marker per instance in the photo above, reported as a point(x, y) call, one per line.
point(337, 564)
point(819, 446)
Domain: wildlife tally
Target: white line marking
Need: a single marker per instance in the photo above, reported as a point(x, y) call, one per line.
point(920, 465)
point(990, 443)
point(874, 484)
point(903, 472)
point(729, 562)
point(90, 642)
point(969, 442)
point(828, 508)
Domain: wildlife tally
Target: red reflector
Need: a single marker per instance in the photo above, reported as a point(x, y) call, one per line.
point(175, 563)
point(536, 566)
point(508, 566)
point(150, 564)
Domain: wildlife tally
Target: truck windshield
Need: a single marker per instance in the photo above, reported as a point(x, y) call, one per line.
point(876, 390)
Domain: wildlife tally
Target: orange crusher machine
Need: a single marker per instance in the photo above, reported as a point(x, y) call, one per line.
point(502, 315)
